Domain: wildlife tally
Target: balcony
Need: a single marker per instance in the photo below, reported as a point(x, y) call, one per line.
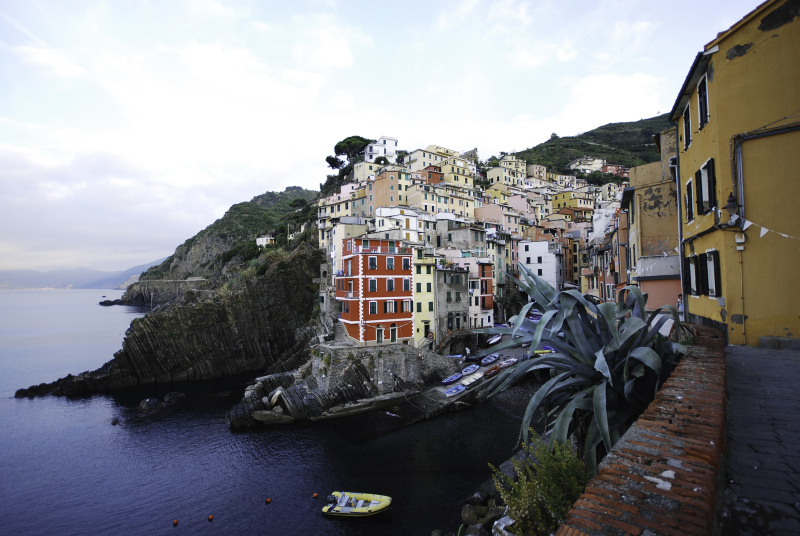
point(382, 250)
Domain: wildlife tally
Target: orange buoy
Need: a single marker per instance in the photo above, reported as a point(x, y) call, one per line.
point(211, 518)
point(174, 522)
point(267, 500)
point(315, 495)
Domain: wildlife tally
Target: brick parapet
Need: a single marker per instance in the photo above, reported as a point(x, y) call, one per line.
point(663, 477)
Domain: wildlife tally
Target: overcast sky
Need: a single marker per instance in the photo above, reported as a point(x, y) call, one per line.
point(128, 126)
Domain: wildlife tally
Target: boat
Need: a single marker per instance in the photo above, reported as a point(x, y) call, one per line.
point(489, 359)
point(492, 372)
point(350, 504)
point(508, 362)
point(455, 356)
point(470, 369)
point(545, 349)
point(452, 379)
point(472, 378)
point(494, 340)
point(453, 391)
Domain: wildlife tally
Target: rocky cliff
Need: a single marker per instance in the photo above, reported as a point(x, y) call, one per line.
point(245, 326)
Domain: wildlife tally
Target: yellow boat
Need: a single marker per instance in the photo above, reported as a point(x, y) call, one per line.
point(349, 504)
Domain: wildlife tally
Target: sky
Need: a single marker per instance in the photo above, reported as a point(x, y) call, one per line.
point(126, 126)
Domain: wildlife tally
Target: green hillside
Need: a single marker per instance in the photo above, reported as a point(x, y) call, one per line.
point(629, 144)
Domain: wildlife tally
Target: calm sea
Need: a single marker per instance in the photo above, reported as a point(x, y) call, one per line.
point(66, 470)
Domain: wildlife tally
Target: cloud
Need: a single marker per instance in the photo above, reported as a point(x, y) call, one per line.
point(57, 61)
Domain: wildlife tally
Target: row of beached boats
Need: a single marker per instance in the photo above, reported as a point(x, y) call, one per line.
point(470, 374)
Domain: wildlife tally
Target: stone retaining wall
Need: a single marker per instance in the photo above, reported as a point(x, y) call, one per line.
point(664, 476)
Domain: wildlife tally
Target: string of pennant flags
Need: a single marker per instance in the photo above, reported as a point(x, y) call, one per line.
point(746, 225)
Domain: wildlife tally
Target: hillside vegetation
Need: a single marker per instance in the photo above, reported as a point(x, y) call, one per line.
point(629, 144)
point(232, 237)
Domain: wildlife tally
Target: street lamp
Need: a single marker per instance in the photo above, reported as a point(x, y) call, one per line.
point(732, 206)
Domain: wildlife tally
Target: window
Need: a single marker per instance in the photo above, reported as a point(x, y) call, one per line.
point(373, 263)
point(539, 261)
point(390, 285)
point(702, 101)
point(713, 270)
point(428, 289)
point(687, 127)
point(406, 285)
point(373, 307)
point(688, 202)
point(428, 271)
point(430, 306)
point(388, 307)
point(449, 297)
point(540, 271)
point(419, 269)
point(526, 248)
point(706, 187)
point(458, 296)
point(419, 285)
point(406, 306)
point(419, 307)
point(527, 259)
point(390, 263)
point(406, 263)
point(373, 285)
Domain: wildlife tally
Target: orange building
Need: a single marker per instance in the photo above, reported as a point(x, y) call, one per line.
point(375, 291)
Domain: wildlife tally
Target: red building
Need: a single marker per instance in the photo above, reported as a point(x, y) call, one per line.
point(375, 291)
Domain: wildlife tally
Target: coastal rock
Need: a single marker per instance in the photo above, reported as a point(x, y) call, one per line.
point(249, 330)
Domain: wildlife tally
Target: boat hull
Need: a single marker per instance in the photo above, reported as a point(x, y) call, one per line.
point(350, 504)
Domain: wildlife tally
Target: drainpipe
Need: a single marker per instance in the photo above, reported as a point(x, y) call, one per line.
point(679, 203)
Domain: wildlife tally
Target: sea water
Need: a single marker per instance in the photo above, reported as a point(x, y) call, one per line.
point(66, 469)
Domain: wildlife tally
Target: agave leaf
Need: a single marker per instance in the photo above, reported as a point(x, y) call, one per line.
point(578, 336)
point(648, 357)
point(601, 365)
point(562, 422)
point(632, 326)
point(608, 318)
point(590, 448)
point(535, 401)
point(510, 376)
point(601, 414)
point(521, 317)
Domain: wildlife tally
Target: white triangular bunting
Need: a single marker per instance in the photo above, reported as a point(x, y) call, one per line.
point(764, 231)
point(678, 251)
point(747, 224)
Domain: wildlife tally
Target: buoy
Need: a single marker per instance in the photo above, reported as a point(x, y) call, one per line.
point(174, 522)
point(268, 500)
point(211, 518)
point(316, 495)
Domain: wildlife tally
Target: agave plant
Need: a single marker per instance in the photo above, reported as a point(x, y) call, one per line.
point(608, 362)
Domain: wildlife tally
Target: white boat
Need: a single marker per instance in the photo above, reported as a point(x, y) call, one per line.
point(494, 340)
point(472, 378)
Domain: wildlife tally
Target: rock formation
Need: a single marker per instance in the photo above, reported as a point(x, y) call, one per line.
point(205, 336)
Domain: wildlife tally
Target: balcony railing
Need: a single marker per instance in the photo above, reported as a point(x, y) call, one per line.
point(382, 250)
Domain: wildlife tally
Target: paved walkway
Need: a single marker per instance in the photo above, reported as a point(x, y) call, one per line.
point(763, 442)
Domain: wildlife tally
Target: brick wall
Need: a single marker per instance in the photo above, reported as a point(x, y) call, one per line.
point(664, 476)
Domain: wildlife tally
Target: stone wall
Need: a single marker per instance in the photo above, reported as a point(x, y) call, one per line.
point(664, 475)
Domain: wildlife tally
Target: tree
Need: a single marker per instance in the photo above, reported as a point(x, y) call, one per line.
point(382, 161)
point(553, 136)
point(352, 147)
point(334, 163)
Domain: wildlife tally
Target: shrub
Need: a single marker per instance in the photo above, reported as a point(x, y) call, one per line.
point(546, 485)
point(608, 363)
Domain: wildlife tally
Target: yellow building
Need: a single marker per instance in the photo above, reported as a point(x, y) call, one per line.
point(572, 199)
point(424, 295)
point(738, 134)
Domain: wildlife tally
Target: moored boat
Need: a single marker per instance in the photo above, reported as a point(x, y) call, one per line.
point(494, 340)
point(453, 391)
point(472, 378)
point(492, 372)
point(470, 369)
point(350, 504)
point(489, 359)
point(452, 379)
